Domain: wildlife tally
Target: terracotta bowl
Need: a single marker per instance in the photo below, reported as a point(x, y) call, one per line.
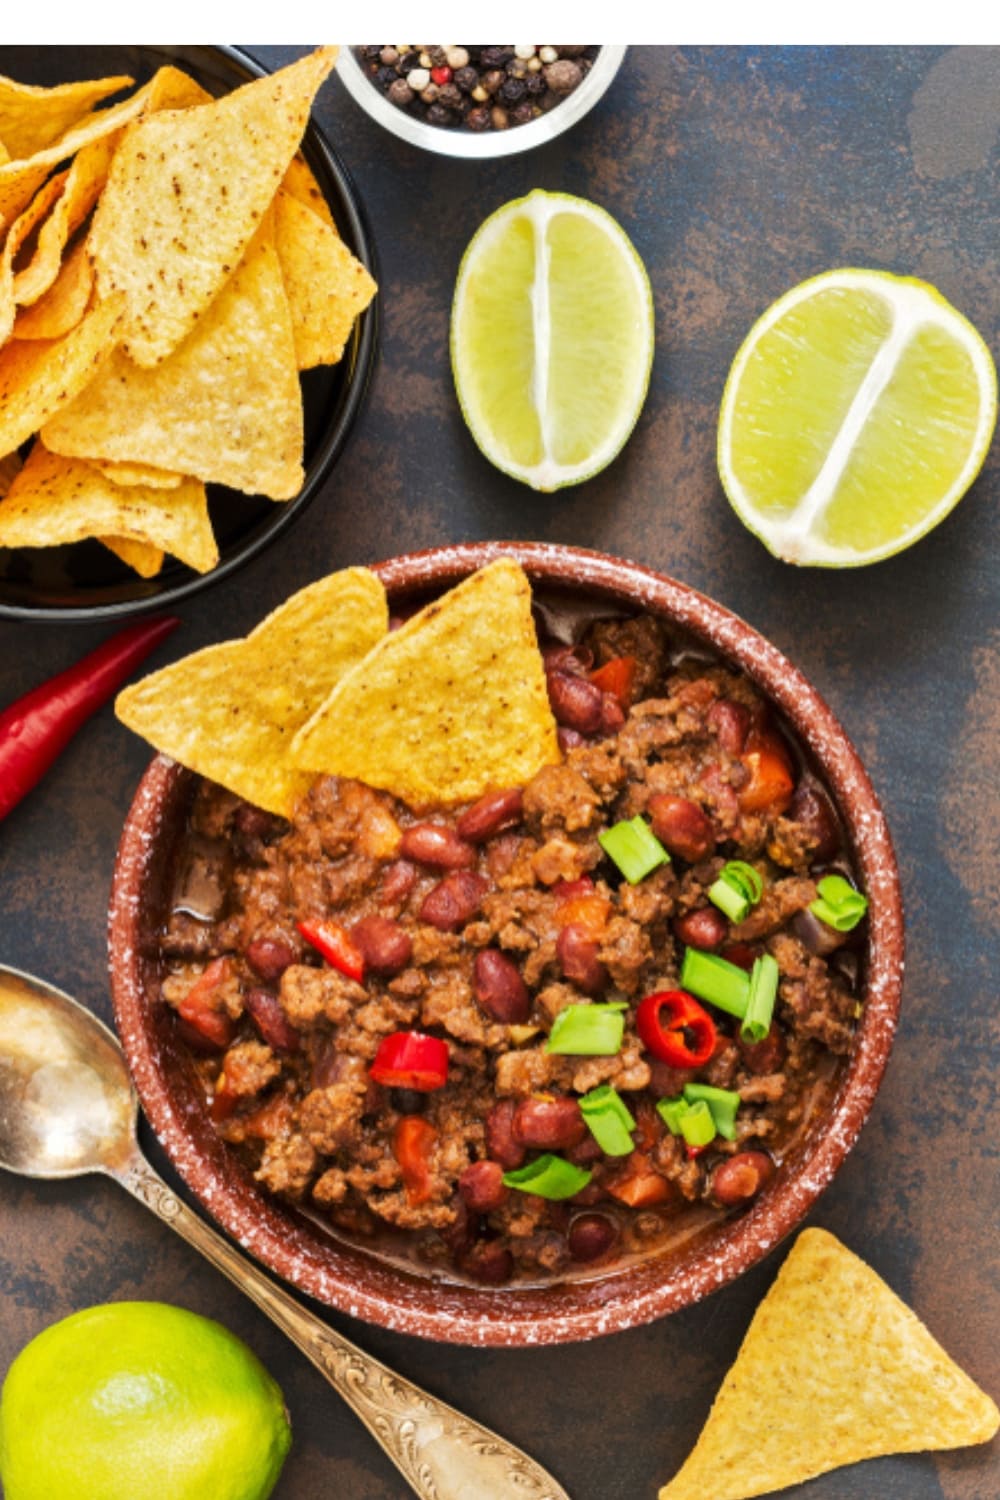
point(356, 1282)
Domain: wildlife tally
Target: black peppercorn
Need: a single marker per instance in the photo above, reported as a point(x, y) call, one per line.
point(524, 112)
point(386, 77)
point(466, 78)
point(400, 93)
point(438, 115)
point(495, 57)
point(512, 92)
point(535, 84)
point(478, 118)
point(492, 80)
point(450, 96)
point(408, 62)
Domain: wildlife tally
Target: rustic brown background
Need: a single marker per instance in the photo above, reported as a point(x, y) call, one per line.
point(737, 172)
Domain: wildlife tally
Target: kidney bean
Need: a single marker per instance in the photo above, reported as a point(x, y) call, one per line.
point(499, 988)
point(549, 1124)
point(766, 1056)
point(488, 1261)
point(585, 1153)
point(571, 659)
point(577, 954)
point(612, 714)
point(811, 808)
point(704, 928)
point(568, 739)
point(199, 1042)
point(459, 1235)
point(666, 1081)
point(816, 935)
point(681, 826)
point(453, 901)
point(501, 1142)
point(328, 1067)
point(576, 703)
point(741, 1177)
point(590, 1236)
point(270, 957)
point(271, 1021)
point(731, 722)
point(491, 813)
point(481, 1185)
point(397, 882)
point(743, 955)
point(385, 946)
point(434, 844)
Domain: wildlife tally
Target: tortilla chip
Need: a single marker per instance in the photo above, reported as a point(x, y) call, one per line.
point(142, 557)
point(449, 705)
point(4, 154)
point(227, 405)
point(10, 467)
point(834, 1369)
point(55, 500)
point(38, 378)
point(300, 183)
point(185, 196)
point(32, 118)
point(17, 236)
point(65, 302)
point(229, 712)
point(128, 474)
point(82, 186)
point(327, 288)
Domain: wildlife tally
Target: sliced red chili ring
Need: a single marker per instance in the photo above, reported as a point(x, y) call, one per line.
point(687, 1039)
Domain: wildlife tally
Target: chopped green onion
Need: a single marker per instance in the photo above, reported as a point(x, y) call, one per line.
point(838, 904)
point(713, 979)
point(697, 1124)
point(588, 1030)
point(738, 888)
point(722, 1102)
point(609, 1120)
point(672, 1111)
point(548, 1177)
point(760, 1006)
point(634, 848)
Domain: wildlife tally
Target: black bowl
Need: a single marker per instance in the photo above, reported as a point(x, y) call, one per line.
point(84, 581)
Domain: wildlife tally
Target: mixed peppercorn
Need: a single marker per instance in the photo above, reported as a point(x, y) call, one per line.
point(480, 88)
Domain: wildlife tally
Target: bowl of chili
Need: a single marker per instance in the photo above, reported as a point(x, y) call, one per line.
point(607, 1293)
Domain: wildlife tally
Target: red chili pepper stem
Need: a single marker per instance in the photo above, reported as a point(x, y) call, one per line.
point(36, 728)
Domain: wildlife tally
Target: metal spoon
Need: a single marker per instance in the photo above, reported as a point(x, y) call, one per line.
point(67, 1107)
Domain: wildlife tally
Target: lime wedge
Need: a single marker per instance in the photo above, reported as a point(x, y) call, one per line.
point(551, 338)
point(856, 415)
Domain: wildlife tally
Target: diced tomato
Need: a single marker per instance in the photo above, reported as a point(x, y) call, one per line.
point(223, 1102)
point(412, 1143)
point(639, 1184)
point(772, 784)
point(589, 912)
point(410, 1060)
point(617, 677)
point(199, 1007)
point(332, 940)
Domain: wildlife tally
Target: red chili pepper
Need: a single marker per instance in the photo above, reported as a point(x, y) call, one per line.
point(688, 1039)
point(410, 1060)
point(617, 677)
point(36, 728)
point(196, 1009)
point(332, 940)
point(771, 783)
point(412, 1141)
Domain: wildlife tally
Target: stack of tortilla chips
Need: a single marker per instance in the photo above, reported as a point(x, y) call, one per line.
point(168, 265)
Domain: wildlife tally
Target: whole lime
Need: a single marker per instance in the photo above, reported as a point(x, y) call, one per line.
point(140, 1401)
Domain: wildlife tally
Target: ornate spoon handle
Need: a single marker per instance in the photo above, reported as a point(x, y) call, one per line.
point(442, 1455)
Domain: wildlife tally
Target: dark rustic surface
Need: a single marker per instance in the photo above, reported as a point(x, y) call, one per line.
point(737, 173)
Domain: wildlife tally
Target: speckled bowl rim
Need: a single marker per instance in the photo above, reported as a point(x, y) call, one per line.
point(367, 1288)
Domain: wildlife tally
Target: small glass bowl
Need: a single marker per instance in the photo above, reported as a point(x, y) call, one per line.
point(456, 141)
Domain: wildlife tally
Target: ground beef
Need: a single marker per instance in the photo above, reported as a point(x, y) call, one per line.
point(297, 1100)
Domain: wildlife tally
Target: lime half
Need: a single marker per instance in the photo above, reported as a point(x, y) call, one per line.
point(856, 415)
point(551, 338)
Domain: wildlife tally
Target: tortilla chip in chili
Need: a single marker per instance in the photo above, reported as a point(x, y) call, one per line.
point(32, 118)
point(834, 1369)
point(327, 288)
point(226, 406)
point(185, 196)
point(230, 712)
point(38, 378)
point(60, 308)
point(55, 500)
point(449, 705)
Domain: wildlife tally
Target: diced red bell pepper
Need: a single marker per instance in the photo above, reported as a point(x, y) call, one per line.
point(617, 677)
point(410, 1060)
point(772, 784)
point(687, 1040)
point(412, 1142)
point(336, 946)
point(198, 1011)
